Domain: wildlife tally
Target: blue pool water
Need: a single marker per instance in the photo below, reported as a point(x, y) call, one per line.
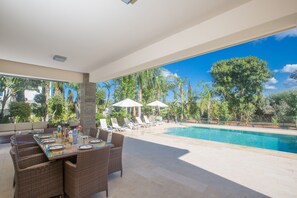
point(278, 142)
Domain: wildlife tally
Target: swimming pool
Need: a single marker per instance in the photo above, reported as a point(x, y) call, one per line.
point(278, 142)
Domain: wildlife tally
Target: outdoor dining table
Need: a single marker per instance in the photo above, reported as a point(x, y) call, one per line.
point(69, 149)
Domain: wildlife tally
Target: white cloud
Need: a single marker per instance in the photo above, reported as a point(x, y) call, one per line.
point(289, 68)
point(260, 40)
point(290, 82)
point(289, 33)
point(270, 84)
point(272, 81)
point(269, 87)
point(276, 70)
point(167, 74)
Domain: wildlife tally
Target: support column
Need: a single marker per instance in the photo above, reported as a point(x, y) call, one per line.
point(87, 104)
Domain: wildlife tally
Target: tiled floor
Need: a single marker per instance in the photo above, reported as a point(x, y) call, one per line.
point(157, 165)
point(6, 172)
point(4, 139)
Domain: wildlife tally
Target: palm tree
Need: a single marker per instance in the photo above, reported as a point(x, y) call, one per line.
point(159, 83)
point(70, 96)
point(15, 87)
point(107, 85)
point(180, 84)
point(58, 88)
point(76, 87)
point(141, 80)
point(115, 89)
point(205, 99)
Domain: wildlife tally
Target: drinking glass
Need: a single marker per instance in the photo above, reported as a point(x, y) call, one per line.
point(55, 134)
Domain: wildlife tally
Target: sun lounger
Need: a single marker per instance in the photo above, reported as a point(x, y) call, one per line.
point(115, 125)
point(104, 125)
point(146, 120)
point(130, 124)
point(140, 123)
point(157, 120)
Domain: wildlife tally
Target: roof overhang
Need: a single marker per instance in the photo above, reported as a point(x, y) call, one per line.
point(195, 31)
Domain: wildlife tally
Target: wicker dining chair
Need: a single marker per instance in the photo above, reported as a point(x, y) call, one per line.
point(93, 132)
point(115, 159)
point(89, 175)
point(25, 149)
point(103, 135)
point(27, 153)
point(49, 130)
point(36, 177)
point(23, 141)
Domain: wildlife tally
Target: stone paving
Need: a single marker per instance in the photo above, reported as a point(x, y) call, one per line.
point(160, 165)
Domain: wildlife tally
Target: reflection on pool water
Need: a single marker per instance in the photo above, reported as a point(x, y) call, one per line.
point(278, 142)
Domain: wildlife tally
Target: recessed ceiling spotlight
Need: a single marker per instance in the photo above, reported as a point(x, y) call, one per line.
point(129, 1)
point(59, 58)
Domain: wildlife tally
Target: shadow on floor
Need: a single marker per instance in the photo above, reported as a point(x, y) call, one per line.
point(155, 170)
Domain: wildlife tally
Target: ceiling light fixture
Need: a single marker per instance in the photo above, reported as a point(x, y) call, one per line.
point(59, 58)
point(129, 1)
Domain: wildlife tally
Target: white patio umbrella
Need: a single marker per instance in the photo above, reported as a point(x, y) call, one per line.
point(128, 103)
point(157, 104)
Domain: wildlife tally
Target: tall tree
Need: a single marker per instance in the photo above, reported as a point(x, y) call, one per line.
point(205, 97)
point(107, 85)
point(20, 111)
point(240, 81)
point(126, 88)
point(115, 87)
point(76, 102)
point(75, 88)
point(58, 88)
point(161, 84)
point(56, 109)
point(70, 96)
point(180, 85)
point(39, 108)
point(25, 84)
point(14, 87)
point(284, 105)
point(144, 82)
point(192, 108)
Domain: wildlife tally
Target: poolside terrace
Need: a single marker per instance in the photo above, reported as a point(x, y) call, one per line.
point(104, 41)
point(159, 165)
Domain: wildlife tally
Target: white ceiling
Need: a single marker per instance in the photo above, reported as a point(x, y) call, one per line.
point(93, 33)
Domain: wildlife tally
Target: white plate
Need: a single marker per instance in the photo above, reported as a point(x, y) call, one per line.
point(85, 147)
point(47, 141)
point(45, 136)
point(95, 141)
point(56, 147)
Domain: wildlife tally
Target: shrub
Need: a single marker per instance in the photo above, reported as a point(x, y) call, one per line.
point(56, 109)
point(21, 111)
point(5, 119)
point(39, 108)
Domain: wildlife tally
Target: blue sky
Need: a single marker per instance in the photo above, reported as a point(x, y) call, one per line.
point(279, 51)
